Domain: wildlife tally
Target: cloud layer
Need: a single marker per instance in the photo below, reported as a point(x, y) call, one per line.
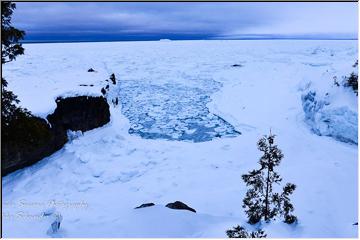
point(124, 20)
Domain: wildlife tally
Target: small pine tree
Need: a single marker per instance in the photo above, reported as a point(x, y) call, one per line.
point(260, 200)
point(287, 207)
point(240, 232)
point(258, 234)
point(355, 64)
point(352, 81)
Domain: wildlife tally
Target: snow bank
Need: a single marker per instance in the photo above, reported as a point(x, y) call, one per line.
point(39, 80)
point(339, 123)
point(331, 109)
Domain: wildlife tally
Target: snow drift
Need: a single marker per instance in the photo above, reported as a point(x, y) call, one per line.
point(339, 122)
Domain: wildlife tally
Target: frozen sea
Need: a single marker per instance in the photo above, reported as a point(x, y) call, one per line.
point(186, 129)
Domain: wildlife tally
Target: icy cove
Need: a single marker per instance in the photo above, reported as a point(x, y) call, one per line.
point(172, 111)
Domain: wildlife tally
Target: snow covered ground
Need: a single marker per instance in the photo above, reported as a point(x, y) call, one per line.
point(176, 136)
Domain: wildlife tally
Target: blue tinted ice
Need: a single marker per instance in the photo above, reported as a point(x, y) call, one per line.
point(172, 111)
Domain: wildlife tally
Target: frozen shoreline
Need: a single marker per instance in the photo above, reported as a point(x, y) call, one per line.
point(114, 171)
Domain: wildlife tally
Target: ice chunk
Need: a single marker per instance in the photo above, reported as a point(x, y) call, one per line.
point(325, 120)
point(55, 219)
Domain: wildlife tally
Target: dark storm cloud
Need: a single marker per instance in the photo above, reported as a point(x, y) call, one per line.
point(61, 20)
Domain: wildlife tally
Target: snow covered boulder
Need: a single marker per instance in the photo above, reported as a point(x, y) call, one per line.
point(339, 122)
point(180, 205)
point(80, 113)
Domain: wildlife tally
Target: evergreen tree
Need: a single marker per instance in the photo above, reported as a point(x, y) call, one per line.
point(9, 51)
point(10, 36)
point(240, 232)
point(287, 208)
point(260, 200)
point(352, 81)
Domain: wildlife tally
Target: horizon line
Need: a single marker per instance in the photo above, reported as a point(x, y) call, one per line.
point(157, 40)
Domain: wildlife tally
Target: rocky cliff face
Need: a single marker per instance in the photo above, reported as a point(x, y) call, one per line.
point(80, 113)
point(30, 139)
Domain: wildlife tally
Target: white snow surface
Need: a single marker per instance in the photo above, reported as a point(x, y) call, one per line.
point(98, 177)
point(331, 110)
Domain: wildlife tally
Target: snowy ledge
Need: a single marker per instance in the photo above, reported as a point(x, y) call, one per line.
point(80, 113)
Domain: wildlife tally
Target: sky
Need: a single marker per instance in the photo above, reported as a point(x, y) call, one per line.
point(102, 21)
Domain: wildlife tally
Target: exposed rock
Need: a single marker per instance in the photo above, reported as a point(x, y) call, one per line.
point(236, 65)
point(180, 205)
point(115, 101)
point(29, 139)
point(145, 205)
point(113, 79)
point(80, 113)
point(91, 70)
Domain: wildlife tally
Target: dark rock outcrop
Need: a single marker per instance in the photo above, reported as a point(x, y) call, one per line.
point(180, 205)
point(103, 91)
point(145, 205)
point(113, 79)
point(80, 113)
point(29, 139)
